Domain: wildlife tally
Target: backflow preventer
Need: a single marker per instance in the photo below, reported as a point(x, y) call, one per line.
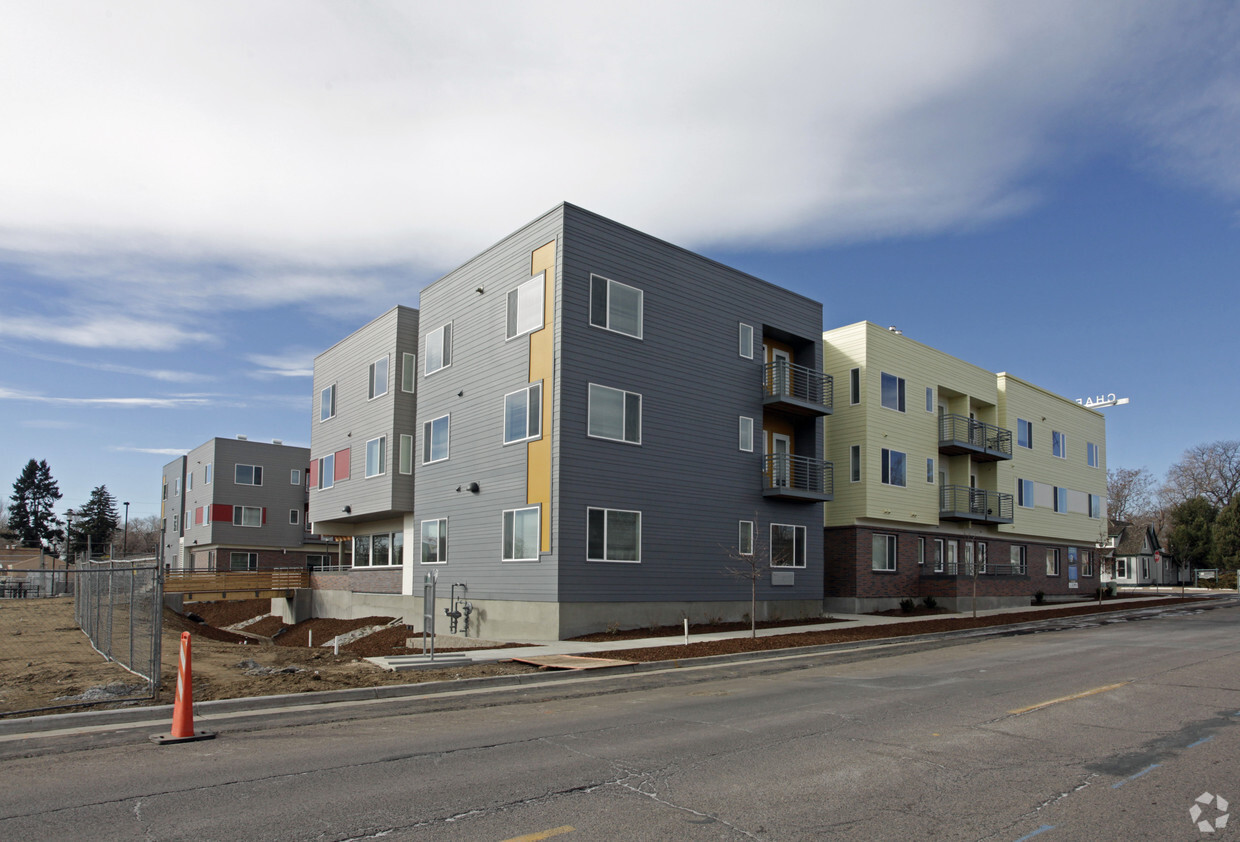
point(461, 609)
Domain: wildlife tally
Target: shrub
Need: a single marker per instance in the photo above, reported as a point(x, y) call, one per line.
point(907, 605)
point(930, 602)
point(1039, 597)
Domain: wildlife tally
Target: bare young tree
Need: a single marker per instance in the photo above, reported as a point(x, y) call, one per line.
point(751, 567)
point(1208, 470)
point(1130, 493)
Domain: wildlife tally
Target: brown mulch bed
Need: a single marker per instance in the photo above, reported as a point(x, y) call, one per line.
point(322, 629)
point(862, 633)
point(178, 623)
point(229, 612)
point(267, 627)
point(696, 628)
point(916, 612)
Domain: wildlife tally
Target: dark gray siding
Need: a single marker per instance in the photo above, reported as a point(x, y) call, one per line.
point(688, 477)
point(485, 367)
point(277, 494)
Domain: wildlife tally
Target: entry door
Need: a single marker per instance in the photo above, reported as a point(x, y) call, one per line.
point(781, 371)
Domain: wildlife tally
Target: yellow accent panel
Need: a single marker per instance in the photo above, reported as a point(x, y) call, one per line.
point(542, 367)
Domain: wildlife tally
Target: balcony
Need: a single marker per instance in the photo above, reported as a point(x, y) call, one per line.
point(960, 502)
point(959, 434)
point(796, 389)
point(798, 478)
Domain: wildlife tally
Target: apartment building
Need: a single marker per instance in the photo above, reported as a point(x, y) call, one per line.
point(235, 504)
point(600, 424)
point(959, 482)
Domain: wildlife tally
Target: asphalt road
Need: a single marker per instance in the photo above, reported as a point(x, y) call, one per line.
point(1092, 732)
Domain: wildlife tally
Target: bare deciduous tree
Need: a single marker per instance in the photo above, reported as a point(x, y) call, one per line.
point(1130, 493)
point(1208, 470)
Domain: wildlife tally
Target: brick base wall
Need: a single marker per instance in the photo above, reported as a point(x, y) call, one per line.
point(382, 580)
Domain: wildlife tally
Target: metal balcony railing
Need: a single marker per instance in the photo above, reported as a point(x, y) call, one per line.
point(796, 388)
point(986, 569)
point(797, 478)
point(986, 442)
point(960, 502)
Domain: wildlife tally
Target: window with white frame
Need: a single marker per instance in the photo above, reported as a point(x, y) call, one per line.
point(746, 341)
point(1061, 500)
point(248, 475)
point(613, 535)
point(378, 378)
point(894, 467)
point(1024, 433)
point(615, 306)
point(615, 414)
point(327, 403)
point(176, 487)
point(435, 439)
point(1095, 506)
point(189, 481)
point(929, 399)
point(206, 473)
point(408, 372)
point(854, 463)
point(929, 469)
point(294, 476)
point(1018, 559)
point(1024, 493)
point(521, 534)
point(247, 516)
point(1087, 563)
point(746, 434)
point(294, 517)
point(406, 453)
point(1059, 444)
point(376, 457)
point(1121, 568)
point(787, 545)
point(383, 549)
point(438, 352)
point(327, 471)
point(1091, 454)
point(892, 392)
point(938, 555)
point(435, 541)
point(1052, 561)
point(921, 552)
point(525, 307)
point(243, 561)
point(523, 414)
point(744, 541)
point(854, 386)
point(951, 557)
point(883, 553)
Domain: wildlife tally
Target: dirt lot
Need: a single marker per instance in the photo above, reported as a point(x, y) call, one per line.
point(44, 656)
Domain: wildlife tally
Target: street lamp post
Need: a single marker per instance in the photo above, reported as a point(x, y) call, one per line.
point(125, 543)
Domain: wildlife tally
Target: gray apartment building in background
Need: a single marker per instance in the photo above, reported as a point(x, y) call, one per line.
point(236, 504)
point(582, 426)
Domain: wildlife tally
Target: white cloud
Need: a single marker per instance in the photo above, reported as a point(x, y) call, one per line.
point(154, 451)
point(292, 362)
point(167, 402)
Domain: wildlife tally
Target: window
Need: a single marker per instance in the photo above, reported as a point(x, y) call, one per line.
point(883, 554)
point(438, 348)
point(615, 414)
point(248, 475)
point(1061, 499)
point(247, 516)
point(408, 372)
point(435, 440)
point(981, 557)
point(1059, 444)
point(893, 392)
point(854, 463)
point(525, 307)
point(176, 523)
point(744, 544)
point(1024, 493)
point(189, 481)
point(406, 454)
point(361, 551)
point(176, 487)
point(206, 473)
point(893, 467)
point(1087, 563)
point(968, 558)
point(1052, 561)
point(929, 399)
point(929, 470)
point(294, 476)
point(746, 341)
point(165, 488)
point(613, 535)
point(378, 378)
point(951, 559)
point(1121, 568)
point(854, 386)
point(615, 306)
point(746, 433)
point(243, 561)
point(921, 552)
point(327, 471)
point(1018, 560)
point(1095, 506)
point(938, 555)
point(521, 534)
point(1091, 454)
point(787, 545)
point(1024, 433)
point(523, 414)
point(294, 516)
point(376, 457)
point(435, 541)
point(383, 550)
point(327, 403)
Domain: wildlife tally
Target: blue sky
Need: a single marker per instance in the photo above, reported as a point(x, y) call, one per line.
point(197, 198)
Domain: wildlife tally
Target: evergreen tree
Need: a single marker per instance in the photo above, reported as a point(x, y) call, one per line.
point(1227, 535)
point(96, 521)
point(1192, 533)
point(31, 519)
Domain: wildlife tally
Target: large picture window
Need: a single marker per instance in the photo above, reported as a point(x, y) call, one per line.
point(523, 414)
point(435, 440)
point(525, 307)
point(615, 414)
point(613, 535)
point(883, 553)
point(248, 475)
point(438, 353)
point(615, 306)
point(247, 516)
point(521, 534)
point(787, 545)
point(385, 549)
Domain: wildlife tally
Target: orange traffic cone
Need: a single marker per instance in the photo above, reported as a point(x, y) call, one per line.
point(183, 705)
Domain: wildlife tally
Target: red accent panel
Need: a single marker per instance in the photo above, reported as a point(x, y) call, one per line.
point(221, 511)
point(314, 473)
point(342, 464)
point(198, 516)
point(264, 515)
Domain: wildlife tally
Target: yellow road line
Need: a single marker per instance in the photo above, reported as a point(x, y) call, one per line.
point(542, 834)
point(1080, 695)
